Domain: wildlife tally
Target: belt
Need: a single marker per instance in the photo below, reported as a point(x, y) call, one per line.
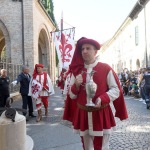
point(91, 108)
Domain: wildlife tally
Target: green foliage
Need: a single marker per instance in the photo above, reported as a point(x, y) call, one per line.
point(49, 7)
point(57, 61)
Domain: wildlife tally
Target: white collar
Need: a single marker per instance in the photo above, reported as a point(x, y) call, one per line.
point(91, 65)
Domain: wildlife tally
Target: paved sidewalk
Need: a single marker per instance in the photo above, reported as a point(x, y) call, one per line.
point(54, 134)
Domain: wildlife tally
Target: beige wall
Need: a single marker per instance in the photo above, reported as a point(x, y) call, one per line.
point(122, 49)
point(42, 22)
point(28, 33)
point(10, 17)
point(35, 21)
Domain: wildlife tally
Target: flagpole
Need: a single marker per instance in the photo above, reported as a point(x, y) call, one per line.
point(62, 21)
point(62, 31)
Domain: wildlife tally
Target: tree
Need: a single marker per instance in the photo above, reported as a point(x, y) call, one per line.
point(49, 7)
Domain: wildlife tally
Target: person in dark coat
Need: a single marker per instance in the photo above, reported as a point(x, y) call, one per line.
point(24, 79)
point(4, 87)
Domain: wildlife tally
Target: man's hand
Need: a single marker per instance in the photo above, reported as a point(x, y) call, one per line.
point(33, 98)
point(78, 80)
point(14, 83)
point(98, 103)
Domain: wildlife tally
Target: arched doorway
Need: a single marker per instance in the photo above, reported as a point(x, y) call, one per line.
point(2, 47)
point(137, 64)
point(130, 64)
point(43, 49)
point(5, 46)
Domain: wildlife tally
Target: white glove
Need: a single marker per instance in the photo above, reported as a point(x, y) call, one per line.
point(14, 83)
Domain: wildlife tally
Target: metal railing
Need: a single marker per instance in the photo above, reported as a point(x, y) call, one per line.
point(13, 70)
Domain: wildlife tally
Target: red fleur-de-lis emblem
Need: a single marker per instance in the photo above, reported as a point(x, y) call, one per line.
point(65, 48)
point(35, 88)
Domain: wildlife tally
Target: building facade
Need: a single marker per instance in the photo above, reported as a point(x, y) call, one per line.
point(130, 46)
point(25, 34)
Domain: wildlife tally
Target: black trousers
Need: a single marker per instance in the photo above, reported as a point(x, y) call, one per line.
point(27, 102)
point(3, 99)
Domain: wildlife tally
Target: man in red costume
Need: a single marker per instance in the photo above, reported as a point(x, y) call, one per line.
point(40, 89)
point(61, 79)
point(94, 123)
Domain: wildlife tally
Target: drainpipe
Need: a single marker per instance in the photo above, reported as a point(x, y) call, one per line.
point(22, 14)
point(145, 38)
point(146, 58)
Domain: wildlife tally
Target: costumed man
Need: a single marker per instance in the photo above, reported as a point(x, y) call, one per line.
point(40, 89)
point(61, 79)
point(96, 122)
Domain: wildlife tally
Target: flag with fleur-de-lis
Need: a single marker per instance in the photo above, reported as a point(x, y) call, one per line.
point(65, 46)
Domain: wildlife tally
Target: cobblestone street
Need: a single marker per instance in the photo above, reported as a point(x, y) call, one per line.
point(84, 47)
point(54, 134)
point(134, 133)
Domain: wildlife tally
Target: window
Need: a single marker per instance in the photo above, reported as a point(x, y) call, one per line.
point(136, 35)
point(130, 64)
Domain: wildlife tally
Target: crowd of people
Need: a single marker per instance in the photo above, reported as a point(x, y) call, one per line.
point(37, 87)
point(136, 84)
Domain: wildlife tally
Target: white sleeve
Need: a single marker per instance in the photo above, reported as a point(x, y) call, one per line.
point(66, 86)
point(30, 90)
point(50, 85)
point(114, 91)
point(72, 81)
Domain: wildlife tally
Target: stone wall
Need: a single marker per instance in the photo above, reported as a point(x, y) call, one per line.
point(10, 17)
point(42, 22)
point(28, 33)
point(35, 21)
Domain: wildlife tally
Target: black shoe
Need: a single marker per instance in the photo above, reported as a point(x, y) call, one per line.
point(27, 119)
point(148, 106)
point(32, 115)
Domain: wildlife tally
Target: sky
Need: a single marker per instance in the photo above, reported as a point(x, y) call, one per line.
point(96, 19)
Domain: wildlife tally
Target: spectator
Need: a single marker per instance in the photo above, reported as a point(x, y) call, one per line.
point(24, 80)
point(134, 89)
point(141, 83)
point(4, 87)
point(147, 87)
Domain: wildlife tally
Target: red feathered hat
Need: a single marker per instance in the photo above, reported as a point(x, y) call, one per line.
point(77, 61)
point(35, 69)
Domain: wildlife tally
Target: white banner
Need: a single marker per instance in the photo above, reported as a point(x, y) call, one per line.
point(65, 46)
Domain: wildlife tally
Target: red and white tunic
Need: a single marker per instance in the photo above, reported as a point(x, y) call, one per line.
point(99, 122)
point(40, 78)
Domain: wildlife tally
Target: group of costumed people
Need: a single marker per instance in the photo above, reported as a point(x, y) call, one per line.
point(94, 123)
point(40, 88)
